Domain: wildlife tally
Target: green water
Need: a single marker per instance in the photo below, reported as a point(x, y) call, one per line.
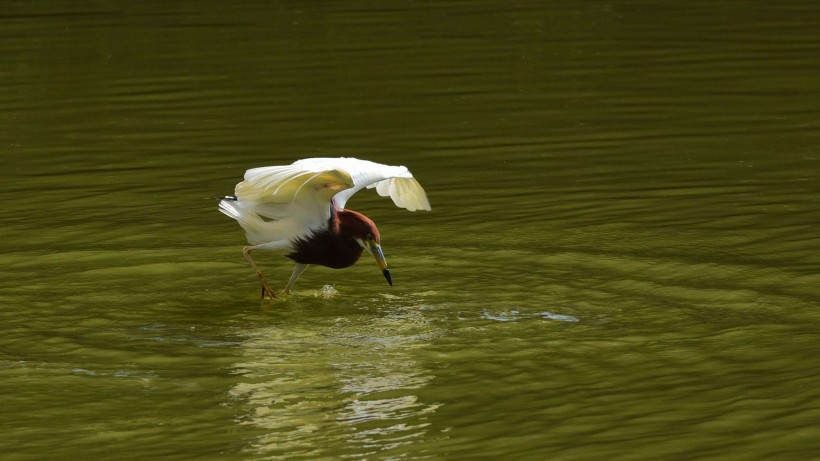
point(622, 261)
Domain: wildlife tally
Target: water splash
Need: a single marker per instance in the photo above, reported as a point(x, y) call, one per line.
point(327, 291)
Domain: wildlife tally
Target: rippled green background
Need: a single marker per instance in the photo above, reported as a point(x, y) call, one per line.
point(622, 261)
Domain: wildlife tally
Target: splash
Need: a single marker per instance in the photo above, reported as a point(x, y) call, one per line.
point(327, 291)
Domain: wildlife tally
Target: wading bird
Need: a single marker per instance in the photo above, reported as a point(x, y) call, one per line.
point(299, 209)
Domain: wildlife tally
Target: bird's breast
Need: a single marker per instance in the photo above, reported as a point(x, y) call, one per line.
point(325, 248)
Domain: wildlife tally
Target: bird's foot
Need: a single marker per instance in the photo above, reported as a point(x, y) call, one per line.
point(266, 290)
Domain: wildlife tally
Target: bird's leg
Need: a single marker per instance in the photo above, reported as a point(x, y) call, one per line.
point(297, 271)
point(265, 288)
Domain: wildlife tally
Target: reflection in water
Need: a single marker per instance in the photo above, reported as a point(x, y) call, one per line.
point(350, 382)
point(514, 315)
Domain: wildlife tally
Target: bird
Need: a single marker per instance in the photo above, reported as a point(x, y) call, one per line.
point(299, 209)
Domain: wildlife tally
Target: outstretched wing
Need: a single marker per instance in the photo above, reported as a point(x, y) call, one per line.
point(289, 184)
point(277, 204)
point(395, 182)
point(280, 203)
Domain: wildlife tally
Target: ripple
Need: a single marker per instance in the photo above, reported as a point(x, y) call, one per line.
point(514, 316)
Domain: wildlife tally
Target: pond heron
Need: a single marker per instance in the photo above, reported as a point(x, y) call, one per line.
point(299, 209)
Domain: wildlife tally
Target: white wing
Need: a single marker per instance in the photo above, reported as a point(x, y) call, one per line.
point(278, 204)
point(276, 190)
point(394, 181)
point(296, 198)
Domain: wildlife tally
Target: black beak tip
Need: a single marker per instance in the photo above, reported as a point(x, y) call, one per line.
point(386, 273)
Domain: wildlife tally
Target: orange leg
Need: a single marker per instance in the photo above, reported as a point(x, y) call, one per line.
point(265, 288)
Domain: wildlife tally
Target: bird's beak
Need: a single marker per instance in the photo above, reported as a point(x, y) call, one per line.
point(376, 251)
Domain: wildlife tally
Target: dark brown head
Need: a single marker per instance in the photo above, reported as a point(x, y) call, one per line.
point(364, 231)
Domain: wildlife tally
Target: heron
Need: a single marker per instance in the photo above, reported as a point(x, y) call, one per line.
point(299, 209)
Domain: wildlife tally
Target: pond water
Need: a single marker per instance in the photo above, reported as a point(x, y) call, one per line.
point(622, 260)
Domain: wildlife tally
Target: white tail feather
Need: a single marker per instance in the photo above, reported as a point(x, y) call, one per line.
point(249, 221)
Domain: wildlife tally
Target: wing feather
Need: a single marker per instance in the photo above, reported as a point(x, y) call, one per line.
point(283, 184)
point(405, 192)
point(395, 181)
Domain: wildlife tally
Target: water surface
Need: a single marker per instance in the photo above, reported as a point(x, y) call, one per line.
point(621, 261)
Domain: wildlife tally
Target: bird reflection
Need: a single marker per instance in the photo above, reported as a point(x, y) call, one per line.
point(351, 385)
